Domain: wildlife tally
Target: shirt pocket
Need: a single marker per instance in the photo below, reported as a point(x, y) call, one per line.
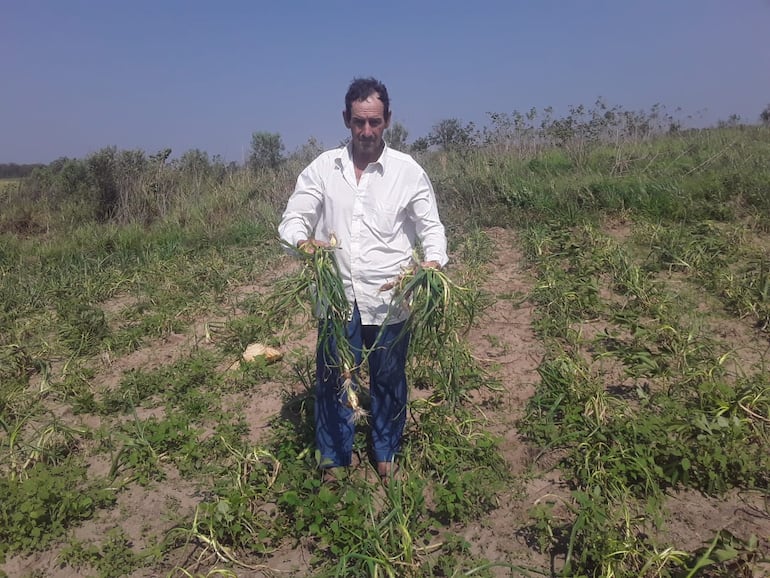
point(384, 217)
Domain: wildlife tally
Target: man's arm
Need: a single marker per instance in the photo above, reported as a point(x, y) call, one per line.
point(430, 231)
point(303, 210)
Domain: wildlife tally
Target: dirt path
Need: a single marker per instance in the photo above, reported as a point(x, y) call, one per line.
point(503, 340)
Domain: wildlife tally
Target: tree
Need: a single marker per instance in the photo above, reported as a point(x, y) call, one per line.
point(194, 165)
point(101, 170)
point(450, 134)
point(396, 135)
point(733, 121)
point(764, 116)
point(420, 145)
point(308, 151)
point(266, 151)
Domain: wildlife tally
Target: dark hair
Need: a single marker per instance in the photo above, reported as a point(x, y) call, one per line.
point(361, 89)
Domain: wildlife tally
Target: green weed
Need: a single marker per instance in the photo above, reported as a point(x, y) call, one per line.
point(39, 508)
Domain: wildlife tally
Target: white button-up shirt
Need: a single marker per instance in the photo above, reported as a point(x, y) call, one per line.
point(378, 222)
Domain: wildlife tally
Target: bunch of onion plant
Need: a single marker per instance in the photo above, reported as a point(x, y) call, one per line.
point(318, 282)
point(437, 306)
point(439, 311)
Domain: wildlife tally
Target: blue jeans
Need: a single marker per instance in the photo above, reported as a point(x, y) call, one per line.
point(334, 427)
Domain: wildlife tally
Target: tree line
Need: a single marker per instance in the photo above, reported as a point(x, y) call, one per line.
point(132, 185)
point(17, 171)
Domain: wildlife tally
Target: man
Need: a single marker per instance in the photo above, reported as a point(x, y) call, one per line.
point(379, 204)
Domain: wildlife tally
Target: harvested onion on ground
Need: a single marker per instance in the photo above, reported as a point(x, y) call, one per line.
point(258, 350)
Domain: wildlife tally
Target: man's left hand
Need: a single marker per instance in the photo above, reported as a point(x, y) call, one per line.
point(430, 265)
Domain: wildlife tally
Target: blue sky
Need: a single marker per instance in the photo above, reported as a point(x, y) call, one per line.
point(79, 75)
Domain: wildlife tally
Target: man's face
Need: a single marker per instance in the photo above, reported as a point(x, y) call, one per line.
point(367, 122)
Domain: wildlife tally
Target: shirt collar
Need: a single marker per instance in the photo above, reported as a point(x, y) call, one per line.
point(346, 156)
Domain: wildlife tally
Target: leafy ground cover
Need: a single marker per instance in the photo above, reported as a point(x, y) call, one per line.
point(606, 413)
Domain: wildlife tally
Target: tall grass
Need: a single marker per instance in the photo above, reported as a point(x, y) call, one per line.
point(709, 174)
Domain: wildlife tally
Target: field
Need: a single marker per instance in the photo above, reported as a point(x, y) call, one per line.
point(604, 412)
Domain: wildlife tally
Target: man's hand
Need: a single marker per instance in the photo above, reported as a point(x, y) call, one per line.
point(308, 246)
point(430, 265)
